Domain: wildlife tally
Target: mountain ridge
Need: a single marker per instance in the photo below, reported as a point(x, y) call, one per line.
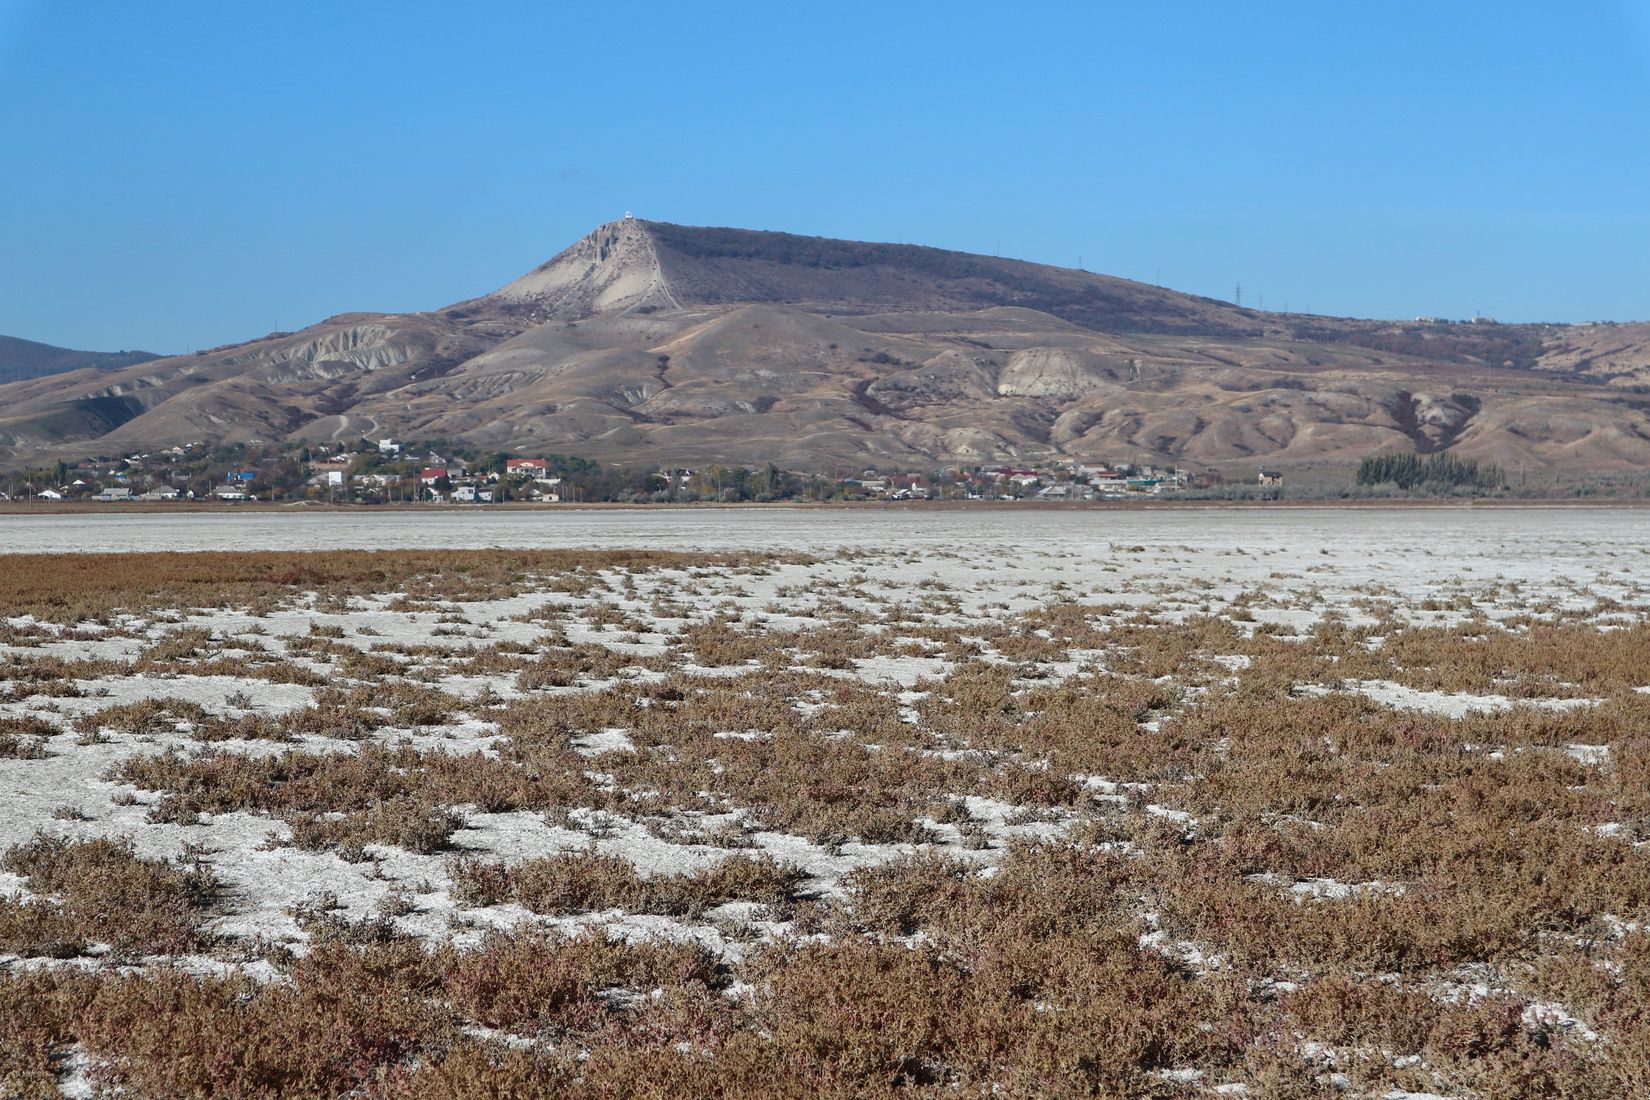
point(649, 341)
point(22, 359)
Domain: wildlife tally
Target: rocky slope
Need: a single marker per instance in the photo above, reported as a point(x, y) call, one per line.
point(652, 342)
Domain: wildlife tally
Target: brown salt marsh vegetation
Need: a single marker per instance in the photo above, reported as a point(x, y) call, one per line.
point(494, 824)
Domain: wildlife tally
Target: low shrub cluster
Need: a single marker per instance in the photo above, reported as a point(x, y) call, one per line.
point(100, 892)
point(399, 796)
point(586, 881)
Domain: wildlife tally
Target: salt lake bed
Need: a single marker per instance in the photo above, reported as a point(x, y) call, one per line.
point(780, 801)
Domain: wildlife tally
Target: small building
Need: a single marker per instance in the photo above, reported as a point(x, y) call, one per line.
point(469, 494)
point(1271, 477)
point(160, 492)
point(49, 494)
point(526, 467)
point(429, 475)
point(108, 495)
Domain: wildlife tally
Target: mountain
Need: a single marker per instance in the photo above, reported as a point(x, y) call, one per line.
point(21, 359)
point(646, 341)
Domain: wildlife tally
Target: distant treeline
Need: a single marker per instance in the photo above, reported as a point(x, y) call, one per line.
point(1442, 470)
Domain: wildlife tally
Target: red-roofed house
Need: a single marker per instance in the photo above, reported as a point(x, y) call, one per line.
point(526, 467)
point(429, 475)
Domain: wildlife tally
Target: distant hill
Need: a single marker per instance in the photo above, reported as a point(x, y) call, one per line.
point(650, 342)
point(23, 359)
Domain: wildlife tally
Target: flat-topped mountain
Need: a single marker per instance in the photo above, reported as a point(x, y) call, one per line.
point(645, 342)
point(629, 264)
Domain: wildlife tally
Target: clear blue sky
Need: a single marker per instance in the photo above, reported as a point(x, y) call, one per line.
point(177, 175)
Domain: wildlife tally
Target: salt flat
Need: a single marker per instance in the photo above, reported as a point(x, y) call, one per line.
point(1502, 533)
point(1410, 550)
point(1326, 721)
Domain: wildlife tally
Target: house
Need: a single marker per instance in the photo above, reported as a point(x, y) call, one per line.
point(107, 495)
point(1271, 477)
point(49, 494)
point(389, 447)
point(160, 492)
point(469, 494)
point(526, 467)
point(230, 493)
point(429, 475)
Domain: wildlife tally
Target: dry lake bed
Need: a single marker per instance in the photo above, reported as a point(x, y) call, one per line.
point(789, 802)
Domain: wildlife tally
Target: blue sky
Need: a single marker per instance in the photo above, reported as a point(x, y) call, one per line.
point(177, 175)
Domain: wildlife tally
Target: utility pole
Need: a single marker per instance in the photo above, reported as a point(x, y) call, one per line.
point(1240, 295)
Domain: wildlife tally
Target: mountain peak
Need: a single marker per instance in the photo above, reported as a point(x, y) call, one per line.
point(612, 268)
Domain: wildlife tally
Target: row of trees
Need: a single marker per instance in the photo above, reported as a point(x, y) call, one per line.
point(1440, 471)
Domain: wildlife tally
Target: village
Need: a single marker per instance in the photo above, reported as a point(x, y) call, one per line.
point(389, 471)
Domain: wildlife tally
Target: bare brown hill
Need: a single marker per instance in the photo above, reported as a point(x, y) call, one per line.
point(20, 359)
point(652, 342)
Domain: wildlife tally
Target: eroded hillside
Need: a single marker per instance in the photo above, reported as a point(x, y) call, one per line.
point(653, 342)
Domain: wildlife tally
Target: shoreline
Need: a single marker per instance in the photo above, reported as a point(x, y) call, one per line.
point(82, 508)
